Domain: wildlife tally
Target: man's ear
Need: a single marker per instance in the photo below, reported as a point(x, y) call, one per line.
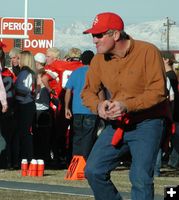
point(116, 35)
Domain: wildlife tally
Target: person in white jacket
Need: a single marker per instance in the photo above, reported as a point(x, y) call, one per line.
point(3, 97)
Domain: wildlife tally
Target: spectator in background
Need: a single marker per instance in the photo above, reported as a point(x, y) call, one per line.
point(3, 106)
point(3, 96)
point(40, 61)
point(73, 54)
point(56, 74)
point(42, 120)
point(72, 62)
point(84, 121)
point(25, 94)
point(14, 60)
point(169, 60)
point(164, 146)
point(133, 73)
point(51, 79)
point(8, 119)
point(3, 100)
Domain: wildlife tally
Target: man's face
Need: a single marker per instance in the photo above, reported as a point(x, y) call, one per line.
point(49, 58)
point(14, 61)
point(105, 42)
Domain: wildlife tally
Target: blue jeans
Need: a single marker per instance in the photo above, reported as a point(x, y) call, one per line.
point(160, 152)
point(158, 163)
point(85, 133)
point(143, 140)
point(174, 159)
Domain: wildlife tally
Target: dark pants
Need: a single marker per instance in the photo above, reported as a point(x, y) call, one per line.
point(25, 115)
point(41, 134)
point(143, 140)
point(8, 131)
point(8, 127)
point(85, 133)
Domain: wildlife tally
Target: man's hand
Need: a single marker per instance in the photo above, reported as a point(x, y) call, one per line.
point(102, 107)
point(116, 109)
point(111, 109)
point(68, 113)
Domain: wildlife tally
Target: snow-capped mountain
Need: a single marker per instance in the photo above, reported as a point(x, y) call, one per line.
point(154, 32)
point(72, 36)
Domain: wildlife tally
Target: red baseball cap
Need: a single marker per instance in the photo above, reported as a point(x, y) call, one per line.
point(104, 22)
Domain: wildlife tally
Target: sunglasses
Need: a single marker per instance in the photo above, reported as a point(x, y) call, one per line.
point(100, 35)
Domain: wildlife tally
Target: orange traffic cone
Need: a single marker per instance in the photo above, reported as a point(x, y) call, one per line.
point(76, 169)
point(33, 168)
point(40, 167)
point(24, 167)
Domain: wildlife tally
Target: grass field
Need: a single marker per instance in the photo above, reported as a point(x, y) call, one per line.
point(56, 177)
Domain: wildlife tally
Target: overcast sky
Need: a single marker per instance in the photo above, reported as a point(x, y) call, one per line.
point(65, 12)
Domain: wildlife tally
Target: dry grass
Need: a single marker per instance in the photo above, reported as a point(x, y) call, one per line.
point(56, 177)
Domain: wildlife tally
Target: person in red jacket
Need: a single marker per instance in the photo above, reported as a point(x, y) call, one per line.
point(56, 73)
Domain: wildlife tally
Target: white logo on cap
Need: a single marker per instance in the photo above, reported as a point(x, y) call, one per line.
point(95, 21)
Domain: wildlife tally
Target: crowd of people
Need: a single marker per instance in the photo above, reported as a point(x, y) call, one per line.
point(52, 108)
point(33, 123)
